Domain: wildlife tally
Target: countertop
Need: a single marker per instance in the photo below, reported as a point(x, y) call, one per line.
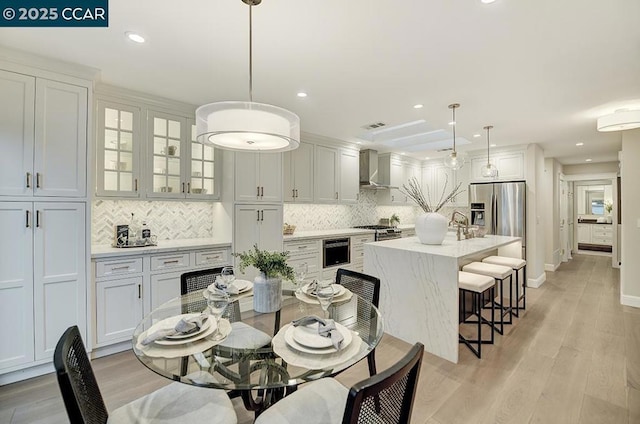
point(450, 247)
point(106, 251)
point(301, 235)
point(593, 221)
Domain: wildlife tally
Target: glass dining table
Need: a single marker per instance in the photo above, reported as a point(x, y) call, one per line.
point(252, 354)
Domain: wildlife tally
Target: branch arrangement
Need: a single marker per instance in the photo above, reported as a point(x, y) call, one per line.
point(414, 191)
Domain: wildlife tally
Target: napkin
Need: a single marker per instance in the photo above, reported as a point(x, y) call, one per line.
point(184, 326)
point(326, 328)
point(221, 288)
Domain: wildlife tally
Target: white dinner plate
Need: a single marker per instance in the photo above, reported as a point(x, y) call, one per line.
point(242, 285)
point(207, 328)
point(290, 340)
point(338, 290)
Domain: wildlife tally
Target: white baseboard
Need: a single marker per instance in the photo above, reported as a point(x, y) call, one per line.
point(551, 267)
point(627, 300)
point(99, 352)
point(536, 282)
point(26, 373)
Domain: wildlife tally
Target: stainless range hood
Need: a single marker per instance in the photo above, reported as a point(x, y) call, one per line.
point(369, 171)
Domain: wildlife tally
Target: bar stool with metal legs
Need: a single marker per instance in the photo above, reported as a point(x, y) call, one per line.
point(517, 265)
point(500, 274)
point(477, 285)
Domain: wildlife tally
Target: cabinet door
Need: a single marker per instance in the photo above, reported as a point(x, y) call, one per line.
point(167, 148)
point(510, 166)
point(59, 273)
point(396, 179)
point(118, 309)
point(325, 175)
point(60, 159)
point(16, 283)
point(584, 233)
point(270, 228)
point(247, 187)
point(461, 177)
point(299, 172)
point(118, 150)
point(289, 175)
point(16, 134)
point(270, 177)
point(443, 182)
point(246, 232)
point(349, 176)
point(202, 182)
point(164, 287)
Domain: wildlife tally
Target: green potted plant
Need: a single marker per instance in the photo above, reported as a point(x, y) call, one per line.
point(394, 220)
point(267, 287)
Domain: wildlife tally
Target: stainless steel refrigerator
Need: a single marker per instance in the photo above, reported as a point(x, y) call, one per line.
point(500, 208)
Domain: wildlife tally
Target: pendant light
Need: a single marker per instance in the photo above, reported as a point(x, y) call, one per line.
point(489, 170)
point(454, 160)
point(248, 126)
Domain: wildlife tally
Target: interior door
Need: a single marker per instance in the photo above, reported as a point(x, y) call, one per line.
point(564, 220)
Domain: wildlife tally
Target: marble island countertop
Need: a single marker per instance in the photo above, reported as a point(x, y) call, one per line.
point(106, 251)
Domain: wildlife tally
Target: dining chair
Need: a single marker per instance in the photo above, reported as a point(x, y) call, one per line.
point(175, 403)
point(368, 288)
point(383, 398)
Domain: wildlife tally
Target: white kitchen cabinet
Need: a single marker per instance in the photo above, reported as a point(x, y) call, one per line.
point(258, 177)
point(46, 143)
point(305, 253)
point(119, 308)
point(349, 176)
point(601, 234)
point(119, 138)
point(167, 148)
point(298, 174)
point(461, 176)
point(438, 179)
point(202, 172)
point(510, 165)
point(326, 168)
point(584, 233)
point(42, 277)
point(391, 171)
point(259, 225)
point(164, 287)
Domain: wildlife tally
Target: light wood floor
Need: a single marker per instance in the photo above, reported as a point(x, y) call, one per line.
point(574, 357)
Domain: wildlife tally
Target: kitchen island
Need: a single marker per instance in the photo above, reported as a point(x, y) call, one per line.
point(419, 285)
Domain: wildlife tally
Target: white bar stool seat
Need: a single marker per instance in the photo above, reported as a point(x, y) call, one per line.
point(517, 265)
point(499, 273)
point(477, 285)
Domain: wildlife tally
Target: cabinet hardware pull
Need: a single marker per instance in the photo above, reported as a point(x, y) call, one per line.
point(37, 180)
point(120, 268)
point(392, 198)
point(258, 191)
point(38, 219)
point(183, 187)
point(261, 191)
point(139, 291)
point(258, 218)
point(209, 258)
point(302, 247)
point(28, 179)
point(175, 261)
point(135, 184)
point(188, 187)
point(293, 192)
point(28, 219)
point(336, 195)
point(296, 192)
point(262, 215)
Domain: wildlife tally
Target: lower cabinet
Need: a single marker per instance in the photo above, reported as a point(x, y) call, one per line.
point(118, 309)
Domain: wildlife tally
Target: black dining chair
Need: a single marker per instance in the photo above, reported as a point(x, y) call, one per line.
point(175, 403)
point(368, 288)
point(384, 398)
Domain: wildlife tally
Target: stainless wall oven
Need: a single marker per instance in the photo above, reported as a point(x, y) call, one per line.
point(336, 252)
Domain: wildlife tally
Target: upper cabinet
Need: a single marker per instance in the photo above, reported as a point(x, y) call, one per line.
point(258, 177)
point(298, 174)
point(118, 153)
point(44, 137)
point(349, 176)
point(336, 175)
point(167, 149)
point(510, 165)
point(202, 181)
point(439, 180)
point(395, 171)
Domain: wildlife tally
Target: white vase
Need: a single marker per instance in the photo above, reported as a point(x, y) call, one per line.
point(431, 228)
point(267, 294)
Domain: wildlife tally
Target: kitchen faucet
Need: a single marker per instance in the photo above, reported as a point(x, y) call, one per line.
point(465, 222)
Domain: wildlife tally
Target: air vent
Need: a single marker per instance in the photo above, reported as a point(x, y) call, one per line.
point(374, 126)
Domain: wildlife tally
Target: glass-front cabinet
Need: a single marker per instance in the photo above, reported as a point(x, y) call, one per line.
point(202, 166)
point(118, 164)
point(166, 135)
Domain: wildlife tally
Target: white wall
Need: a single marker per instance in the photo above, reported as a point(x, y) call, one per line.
point(535, 216)
point(550, 192)
point(630, 176)
point(590, 168)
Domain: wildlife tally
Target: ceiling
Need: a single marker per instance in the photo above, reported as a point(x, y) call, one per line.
point(538, 71)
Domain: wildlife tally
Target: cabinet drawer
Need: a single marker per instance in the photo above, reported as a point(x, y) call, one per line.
point(302, 248)
point(177, 260)
point(118, 267)
point(601, 240)
point(360, 240)
point(357, 254)
point(598, 230)
point(212, 257)
point(312, 261)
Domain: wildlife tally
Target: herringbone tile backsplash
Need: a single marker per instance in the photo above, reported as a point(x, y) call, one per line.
point(167, 220)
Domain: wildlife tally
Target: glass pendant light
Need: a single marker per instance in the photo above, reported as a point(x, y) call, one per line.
point(489, 170)
point(248, 126)
point(455, 159)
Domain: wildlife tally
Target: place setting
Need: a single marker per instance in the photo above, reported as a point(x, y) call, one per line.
point(227, 283)
point(322, 291)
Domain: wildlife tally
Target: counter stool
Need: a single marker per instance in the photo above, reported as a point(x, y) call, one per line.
point(500, 274)
point(517, 265)
point(477, 285)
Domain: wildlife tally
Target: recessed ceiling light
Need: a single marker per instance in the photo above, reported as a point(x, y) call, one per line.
point(358, 142)
point(487, 1)
point(579, 144)
point(302, 94)
point(476, 135)
point(418, 106)
point(588, 160)
point(403, 153)
point(452, 123)
point(135, 37)
point(493, 145)
point(427, 158)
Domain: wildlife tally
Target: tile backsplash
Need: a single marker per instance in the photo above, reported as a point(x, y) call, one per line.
point(167, 220)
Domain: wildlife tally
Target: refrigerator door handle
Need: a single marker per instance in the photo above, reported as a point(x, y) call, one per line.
point(494, 213)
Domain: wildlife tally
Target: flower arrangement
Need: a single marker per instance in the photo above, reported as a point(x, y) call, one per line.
point(608, 206)
point(272, 264)
point(414, 191)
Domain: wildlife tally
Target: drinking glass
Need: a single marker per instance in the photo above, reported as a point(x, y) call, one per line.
point(301, 272)
point(217, 303)
point(324, 293)
point(227, 275)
